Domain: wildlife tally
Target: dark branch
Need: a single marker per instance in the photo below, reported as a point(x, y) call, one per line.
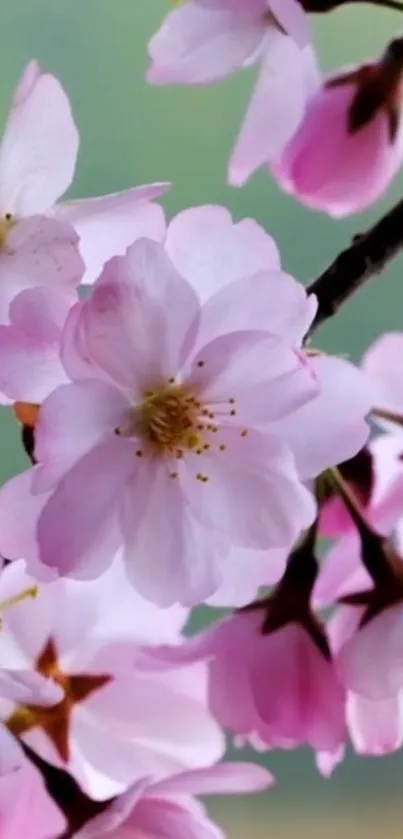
point(369, 255)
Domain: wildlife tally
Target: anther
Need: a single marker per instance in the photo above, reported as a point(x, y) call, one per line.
point(200, 363)
point(222, 447)
point(139, 453)
point(244, 433)
point(174, 475)
point(232, 413)
point(231, 401)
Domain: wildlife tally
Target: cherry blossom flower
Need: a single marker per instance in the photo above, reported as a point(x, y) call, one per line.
point(172, 423)
point(114, 723)
point(169, 808)
point(202, 42)
point(349, 145)
point(37, 161)
point(215, 255)
point(26, 809)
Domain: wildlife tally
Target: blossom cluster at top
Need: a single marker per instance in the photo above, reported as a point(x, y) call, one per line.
point(188, 444)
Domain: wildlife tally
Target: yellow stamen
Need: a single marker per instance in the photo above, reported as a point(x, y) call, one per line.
point(7, 222)
point(27, 594)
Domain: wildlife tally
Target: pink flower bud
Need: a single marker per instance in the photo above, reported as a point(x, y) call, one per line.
point(349, 145)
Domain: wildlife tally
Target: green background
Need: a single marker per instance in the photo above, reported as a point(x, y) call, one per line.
point(133, 134)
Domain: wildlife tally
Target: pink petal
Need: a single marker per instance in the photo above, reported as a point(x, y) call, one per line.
point(11, 754)
point(327, 762)
point(39, 148)
point(26, 807)
point(30, 75)
point(27, 687)
point(19, 512)
point(74, 351)
point(371, 662)
point(375, 726)
point(253, 495)
point(381, 364)
point(341, 573)
point(245, 571)
point(308, 703)
point(273, 114)
point(115, 814)
point(30, 363)
point(109, 224)
point(72, 420)
point(327, 430)
point(224, 778)
point(211, 252)
point(170, 557)
point(332, 169)
point(267, 379)
point(170, 819)
point(39, 251)
point(67, 531)
point(292, 18)
point(196, 45)
point(247, 303)
point(128, 305)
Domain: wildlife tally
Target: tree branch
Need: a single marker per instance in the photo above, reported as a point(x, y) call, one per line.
point(368, 255)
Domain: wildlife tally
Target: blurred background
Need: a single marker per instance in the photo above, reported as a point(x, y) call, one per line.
point(133, 134)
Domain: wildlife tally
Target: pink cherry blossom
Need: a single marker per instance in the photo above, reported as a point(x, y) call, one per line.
point(221, 476)
point(26, 809)
point(202, 42)
point(348, 147)
point(115, 723)
point(37, 161)
point(307, 704)
point(169, 809)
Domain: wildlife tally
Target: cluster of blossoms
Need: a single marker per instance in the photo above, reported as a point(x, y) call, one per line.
point(188, 445)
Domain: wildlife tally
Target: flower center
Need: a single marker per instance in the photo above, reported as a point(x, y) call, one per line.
point(169, 419)
point(7, 222)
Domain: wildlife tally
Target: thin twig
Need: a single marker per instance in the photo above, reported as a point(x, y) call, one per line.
point(368, 255)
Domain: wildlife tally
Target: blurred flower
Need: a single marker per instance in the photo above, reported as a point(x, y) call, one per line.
point(114, 724)
point(272, 680)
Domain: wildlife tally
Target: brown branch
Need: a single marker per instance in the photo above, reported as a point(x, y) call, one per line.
point(368, 255)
